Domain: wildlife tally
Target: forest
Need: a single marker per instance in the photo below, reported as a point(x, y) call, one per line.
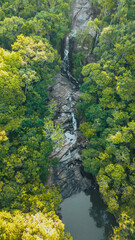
point(31, 33)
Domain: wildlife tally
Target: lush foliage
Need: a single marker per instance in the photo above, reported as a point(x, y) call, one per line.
point(29, 31)
point(126, 229)
point(30, 35)
point(18, 226)
point(107, 109)
point(47, 19)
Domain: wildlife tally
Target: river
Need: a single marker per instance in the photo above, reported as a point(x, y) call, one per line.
point(85, 216)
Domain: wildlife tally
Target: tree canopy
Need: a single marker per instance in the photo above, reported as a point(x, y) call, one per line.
point(106, 110)
point(30, 37)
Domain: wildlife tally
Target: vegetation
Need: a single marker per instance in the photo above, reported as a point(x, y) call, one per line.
point(107, 111)
point(30, 36)
point(31, 227)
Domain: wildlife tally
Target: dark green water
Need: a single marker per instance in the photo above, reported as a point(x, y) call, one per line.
point(85, 217)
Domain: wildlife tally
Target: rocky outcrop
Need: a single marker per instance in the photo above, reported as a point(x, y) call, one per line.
point(81, 14)
point(67, 175)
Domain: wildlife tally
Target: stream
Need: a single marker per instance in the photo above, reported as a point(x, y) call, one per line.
point(82, 210)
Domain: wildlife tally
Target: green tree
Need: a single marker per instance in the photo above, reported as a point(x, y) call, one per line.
point(28, 226)
point(126, 228)
point(107, 106)
point(10, 28)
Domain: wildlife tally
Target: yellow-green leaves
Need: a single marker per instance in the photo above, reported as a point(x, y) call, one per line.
point(10, 81)
point(18, 226)
point(9, 29)
point(40, 56)
point(109, 195)
point(126, 134)
point(126, 228)
point(3, 136)
point(33, 51)
point(108, 4)
point(126, 86)
point(54, 132)
point(116, 173)
point(107, 106)
point(11, 94)
point(87, 130)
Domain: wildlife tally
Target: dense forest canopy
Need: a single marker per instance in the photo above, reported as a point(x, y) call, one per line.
point(107, 109)
point(31, 32)
point(30, 37)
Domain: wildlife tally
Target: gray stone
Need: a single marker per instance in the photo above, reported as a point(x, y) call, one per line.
point(81, 14)
point(68, 175)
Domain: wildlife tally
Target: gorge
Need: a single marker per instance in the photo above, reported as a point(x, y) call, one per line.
point(82, 209)
point(67, 119)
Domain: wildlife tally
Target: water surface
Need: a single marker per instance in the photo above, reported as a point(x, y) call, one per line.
point(85, 217)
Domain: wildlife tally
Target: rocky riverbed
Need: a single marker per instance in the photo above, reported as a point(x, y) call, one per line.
point(65, 93)
point(67, 175)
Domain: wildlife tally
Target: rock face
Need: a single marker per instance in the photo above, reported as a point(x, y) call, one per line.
point(81, 14)
point(68, 175)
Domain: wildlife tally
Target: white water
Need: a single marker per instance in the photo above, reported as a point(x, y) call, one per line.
point(71, 133)
point(72, 114)
point(70, 138)
point(66, 62)
point(66, 69)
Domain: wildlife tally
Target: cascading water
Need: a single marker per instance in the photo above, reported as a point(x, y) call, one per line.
point(70, 136)
point(66, 93)
point(72, 114)
point(66, 62)
point(69, 175)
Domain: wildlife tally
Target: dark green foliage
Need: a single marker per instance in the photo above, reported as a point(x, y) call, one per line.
point(29, 29)
point(24, 153)
point(107, 108)
point(25, 74)
point(10, 28)
point(47, 19)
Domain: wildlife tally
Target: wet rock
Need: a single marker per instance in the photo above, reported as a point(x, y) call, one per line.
point(68, 175)
point(76, 95)
point(73, 181)
point(64, 118)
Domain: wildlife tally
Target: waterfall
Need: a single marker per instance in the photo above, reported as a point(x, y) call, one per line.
point(65, 92)
point(66, 62)
point(66, 69)
point(74, 122)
